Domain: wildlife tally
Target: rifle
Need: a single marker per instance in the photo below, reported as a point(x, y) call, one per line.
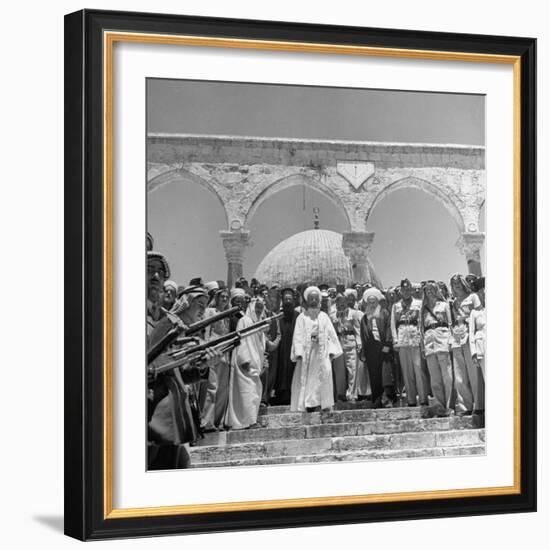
point(195, 354)
point(172, 335)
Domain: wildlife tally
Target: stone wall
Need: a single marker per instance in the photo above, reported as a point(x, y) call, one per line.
point(170, 149)
point(243, 172)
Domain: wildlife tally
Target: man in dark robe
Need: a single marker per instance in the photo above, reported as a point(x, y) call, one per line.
point(285, 367)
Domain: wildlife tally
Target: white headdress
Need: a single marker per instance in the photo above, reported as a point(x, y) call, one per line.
point(309, 290)
point(372, 292)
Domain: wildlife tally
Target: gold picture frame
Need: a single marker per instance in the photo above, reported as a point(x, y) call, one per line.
point(101, 31)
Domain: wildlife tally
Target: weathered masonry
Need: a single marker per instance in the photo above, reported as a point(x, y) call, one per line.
point(243, 172)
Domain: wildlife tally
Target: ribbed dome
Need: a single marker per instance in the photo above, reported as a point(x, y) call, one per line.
point(314, 256)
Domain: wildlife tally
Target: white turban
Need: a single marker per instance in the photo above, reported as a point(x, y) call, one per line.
point(170, 284)
point(212, 285)
point(350, 292)
point(309, 290)
point(237, 292)
point(372, 292)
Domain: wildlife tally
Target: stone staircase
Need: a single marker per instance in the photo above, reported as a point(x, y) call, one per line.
point(351, 432)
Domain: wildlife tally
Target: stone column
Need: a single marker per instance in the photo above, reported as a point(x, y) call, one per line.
point(234, 243)
point(470, 245)
point(356, 245)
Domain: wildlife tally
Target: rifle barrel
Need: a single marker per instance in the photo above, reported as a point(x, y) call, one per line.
point(199, 325)
point(171, 336)
point(193, 353)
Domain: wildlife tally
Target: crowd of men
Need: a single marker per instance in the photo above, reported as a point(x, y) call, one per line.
point(217, 355)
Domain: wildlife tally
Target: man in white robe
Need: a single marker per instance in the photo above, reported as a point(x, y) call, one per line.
point(247, 361)
point(314, 345)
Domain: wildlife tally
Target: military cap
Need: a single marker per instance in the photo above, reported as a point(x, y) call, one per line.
point(405, 283)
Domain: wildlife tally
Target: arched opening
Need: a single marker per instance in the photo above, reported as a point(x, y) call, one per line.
point(427, 187)
point(285, 213)
point(304, 183)
point(185, 220)
point(183, 176)
point(415, 237)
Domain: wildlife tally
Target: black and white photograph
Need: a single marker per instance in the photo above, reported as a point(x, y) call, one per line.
point(278, 235)
point(315, 274)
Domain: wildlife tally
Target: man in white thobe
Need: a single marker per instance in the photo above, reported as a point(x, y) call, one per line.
point(314, 345)
point(247, 363)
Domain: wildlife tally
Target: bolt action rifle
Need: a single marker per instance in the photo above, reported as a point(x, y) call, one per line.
point(179, 328)
point(194, 355)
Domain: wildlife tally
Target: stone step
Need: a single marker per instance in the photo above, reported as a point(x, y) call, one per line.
point(281, 419)
point(335, 445)
point(348, 456)
point(339, 406)
point(339, 429)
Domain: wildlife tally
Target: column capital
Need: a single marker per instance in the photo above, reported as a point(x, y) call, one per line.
point(357, 244)
point(235, 243)
point(470, 245)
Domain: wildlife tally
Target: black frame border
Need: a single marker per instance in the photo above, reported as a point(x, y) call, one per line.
point(84, 254)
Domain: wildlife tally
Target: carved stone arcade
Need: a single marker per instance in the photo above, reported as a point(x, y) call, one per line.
point(244, 172)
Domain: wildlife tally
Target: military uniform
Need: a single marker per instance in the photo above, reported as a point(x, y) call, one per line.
point(405, 321)
point(348, 328)
point(466, 376)
point(435, 329)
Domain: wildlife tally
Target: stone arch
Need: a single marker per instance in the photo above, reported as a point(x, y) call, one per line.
point(179, 175)
point(291, 181)
point(480, 212)
point(412, 182)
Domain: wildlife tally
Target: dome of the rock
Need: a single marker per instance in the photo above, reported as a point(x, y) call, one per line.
point(313, 257)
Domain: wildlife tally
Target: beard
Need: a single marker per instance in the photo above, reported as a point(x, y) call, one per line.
point(288, 309)
point(153, 294)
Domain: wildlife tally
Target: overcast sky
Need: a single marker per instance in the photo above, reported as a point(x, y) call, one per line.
point(415, 235)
